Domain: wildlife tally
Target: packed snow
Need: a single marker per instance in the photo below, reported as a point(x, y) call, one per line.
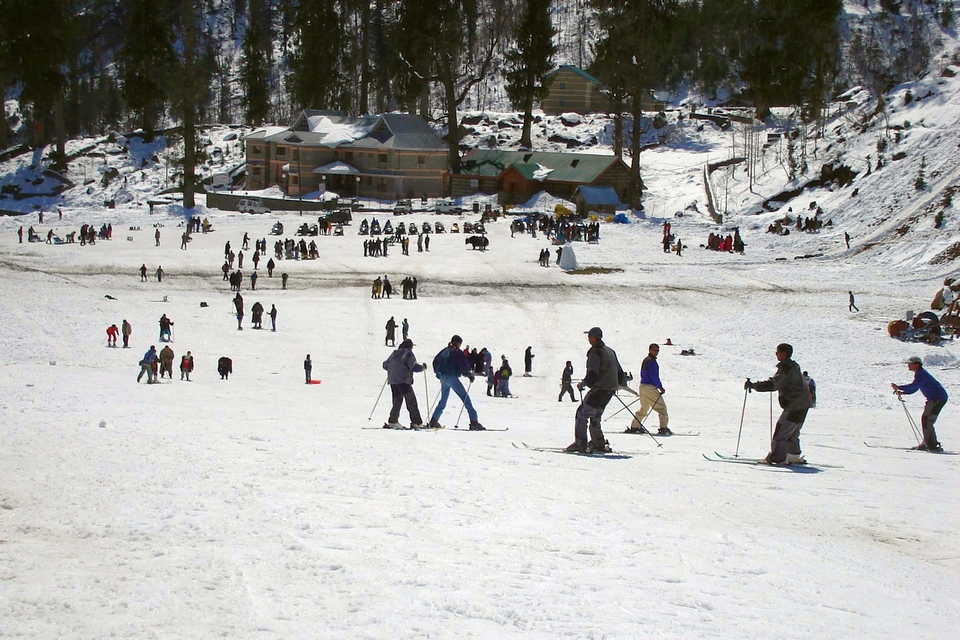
point(260, 506)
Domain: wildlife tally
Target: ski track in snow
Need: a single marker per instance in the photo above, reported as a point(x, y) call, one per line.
point(257, 507)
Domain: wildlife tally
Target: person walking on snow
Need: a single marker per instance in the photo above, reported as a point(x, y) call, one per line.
point(126, 331)
point(165, 324)
point(146, 365)
point(186, 366)
point(391, 327)
point(651, 394)
point(936, 397)
point(257, 314)
point(503, 379)
point(853, 305)
point(400, 367)
point(794, 400)
point(159, 274)
point(308, 368)
point(156, 237)
point(528, 357)
point(405, 328)
point(238, 304)
point(273, 317)
point(112, 332)
point(166, 361)
point(143, 272)
point(604, 376)
point(566, 385)
point(449, 365)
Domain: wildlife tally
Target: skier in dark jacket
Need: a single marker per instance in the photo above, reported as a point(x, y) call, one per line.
point(566, 385)
point(604, 376)
point(400, 367)
point(449, 365)
point(936, 397)
point(795, 402)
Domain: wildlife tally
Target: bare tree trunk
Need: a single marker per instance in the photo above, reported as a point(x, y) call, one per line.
point(634, 189)
point(365, 61)
point(425, 101)
point(525, 137)
point(189, 105)
point(453, 128)
point(617, 108)
point(59, 130)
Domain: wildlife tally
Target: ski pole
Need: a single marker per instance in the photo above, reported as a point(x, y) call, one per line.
point(462, 407)
point(631, 403)
point(746, 390)
point(771, 419)
point(378, 398)
point(426, 390)
point(913, 424)
point(625, 406)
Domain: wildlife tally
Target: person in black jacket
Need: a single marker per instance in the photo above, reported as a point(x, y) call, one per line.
point(794, 400)
point(604, 376)
point(566, 385)
point(224, 367)
point(528, 360)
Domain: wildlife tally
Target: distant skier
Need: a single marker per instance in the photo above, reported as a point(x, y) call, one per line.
point(528, 358)
point(112, 332)
point(224, 367)
point(651, 394)
point(391, 327)
point(566, 385)
point(308, 368)
point(795, 402)
point(449, 365)
point(604, 376)
point(936, 397)
point(400, 367)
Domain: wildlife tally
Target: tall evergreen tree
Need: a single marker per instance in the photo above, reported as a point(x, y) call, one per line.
point(146, 59)
point(529, 61)
point(255, 62)
point(318, 75)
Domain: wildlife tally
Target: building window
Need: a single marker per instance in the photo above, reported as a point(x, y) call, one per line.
point(563, 85)
point(294, 180)
point(382, 158)
point(348, 156)
point(281, 152)
point(296, 155)
point(257, 150)
point(421, 160)
point(381, 184)
point(563, 103)
point(255, 170)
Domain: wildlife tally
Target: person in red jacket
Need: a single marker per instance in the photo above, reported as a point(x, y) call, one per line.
point(186, 366)
point(112, 332)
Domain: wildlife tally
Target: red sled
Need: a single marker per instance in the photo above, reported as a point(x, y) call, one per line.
point(315, 382)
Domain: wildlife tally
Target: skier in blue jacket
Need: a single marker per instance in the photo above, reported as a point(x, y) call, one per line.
point(449, 365)
point(936, 397)
point(651, 394)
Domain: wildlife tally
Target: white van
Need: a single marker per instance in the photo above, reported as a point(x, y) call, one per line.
point(251, 205)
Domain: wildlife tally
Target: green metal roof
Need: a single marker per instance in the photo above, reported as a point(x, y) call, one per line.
point(578, 168)
point(577, 70)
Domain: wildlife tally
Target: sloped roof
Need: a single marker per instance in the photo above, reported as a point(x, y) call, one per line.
point(564, 167)
point(577, 70)
point(598, 195)
point(335, 129)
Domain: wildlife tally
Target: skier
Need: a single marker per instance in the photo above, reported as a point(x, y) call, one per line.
point(565, 383)
point(224, 367)
point(852, 306)
point(146, 365)
point(651, 394)
point(449, 365)
point(257, 311)
point(166, 361)
point(400, 367)
point(186, 366)
point(126, 330)
point(795, 402)
point(604, 376)
point(308, 367)
point(112, 332)
point(165, 324)
point(391, 327)
point(273, 317)
point(528, 358)
point(936, 397)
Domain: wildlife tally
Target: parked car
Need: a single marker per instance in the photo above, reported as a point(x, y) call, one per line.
point(403, 207)
point(342, 216)
point(447, 206)
point(251, 205)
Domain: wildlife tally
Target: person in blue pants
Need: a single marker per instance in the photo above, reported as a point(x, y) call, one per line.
point(449, 365)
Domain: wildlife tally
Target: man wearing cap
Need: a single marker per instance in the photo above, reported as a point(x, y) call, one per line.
point(794, 399)
point(603, 377)
point(449, 365)
point(400, 367)
point(936, 397)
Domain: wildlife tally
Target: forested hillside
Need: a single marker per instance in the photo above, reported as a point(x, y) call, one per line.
point(87, 66)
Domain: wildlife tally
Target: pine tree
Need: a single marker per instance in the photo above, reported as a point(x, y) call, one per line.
point(255, 63)
point(946, 14)
point(146, 60)
point(318, 77)
point(529, 61)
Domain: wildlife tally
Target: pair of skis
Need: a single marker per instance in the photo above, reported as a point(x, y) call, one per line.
point(616, 455)
point(764, 463)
